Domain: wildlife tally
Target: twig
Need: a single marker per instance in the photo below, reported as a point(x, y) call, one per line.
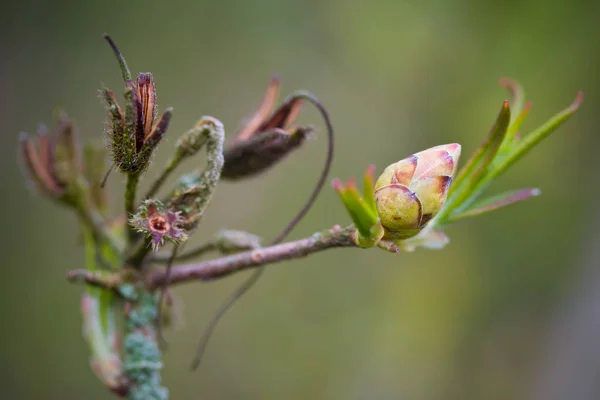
point(225, 266)
point(105, 280)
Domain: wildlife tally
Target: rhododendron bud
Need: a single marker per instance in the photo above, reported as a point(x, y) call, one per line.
point(410, 193)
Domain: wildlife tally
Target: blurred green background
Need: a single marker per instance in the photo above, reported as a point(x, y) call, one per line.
point(510, 310)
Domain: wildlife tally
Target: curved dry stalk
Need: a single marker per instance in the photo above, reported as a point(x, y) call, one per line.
point(247, 285)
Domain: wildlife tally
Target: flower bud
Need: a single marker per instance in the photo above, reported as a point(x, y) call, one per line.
point(194, 140)
point(410, 193)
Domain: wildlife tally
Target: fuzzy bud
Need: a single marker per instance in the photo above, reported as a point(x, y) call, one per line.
point(193, 140)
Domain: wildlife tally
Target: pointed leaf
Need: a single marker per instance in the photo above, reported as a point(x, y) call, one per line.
point(267, 104)
point(285, 115)
point(369, 189)
point(495, 202)
point(515, 126)
point(489, 146)
point(363, 217)
point(477, 167)
point(533, 138)
point(517, 94)
point(120, 58)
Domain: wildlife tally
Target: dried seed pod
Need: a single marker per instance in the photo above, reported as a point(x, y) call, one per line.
point(266, 138)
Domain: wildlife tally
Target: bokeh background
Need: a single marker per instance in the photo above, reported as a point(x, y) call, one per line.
point(510, 310)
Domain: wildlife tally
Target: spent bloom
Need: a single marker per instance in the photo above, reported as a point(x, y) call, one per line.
point(266, 137)
point(159, 223)
point(134, 133)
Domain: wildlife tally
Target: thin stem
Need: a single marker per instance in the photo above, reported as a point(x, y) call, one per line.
point(173, 163)
point(247, 285)
point(122, 63)
point(95, 278)
point(208, 131)
point(137, 258)
point(324, 172)
point(105, 179)
point(91, 217)
point(96, 222)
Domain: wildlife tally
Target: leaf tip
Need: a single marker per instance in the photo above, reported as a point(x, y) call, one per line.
point(370, 171)
point(351, 183)
point(337, 185)
point(577, 102)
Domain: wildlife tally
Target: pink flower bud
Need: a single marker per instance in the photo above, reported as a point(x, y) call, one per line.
point(410, 193)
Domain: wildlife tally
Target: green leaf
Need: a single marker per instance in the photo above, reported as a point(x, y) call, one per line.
point(501, 163)
point(495, 202)
point(477, 166)
point(362, 215)
point(517, 93)
point(369, 189)
point(533, 138)
point(510, 140)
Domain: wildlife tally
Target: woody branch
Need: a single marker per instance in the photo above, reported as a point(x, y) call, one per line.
point(225, 266)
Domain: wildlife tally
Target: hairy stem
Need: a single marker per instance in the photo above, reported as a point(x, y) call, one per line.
point(130, 190)
point(142, 357)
